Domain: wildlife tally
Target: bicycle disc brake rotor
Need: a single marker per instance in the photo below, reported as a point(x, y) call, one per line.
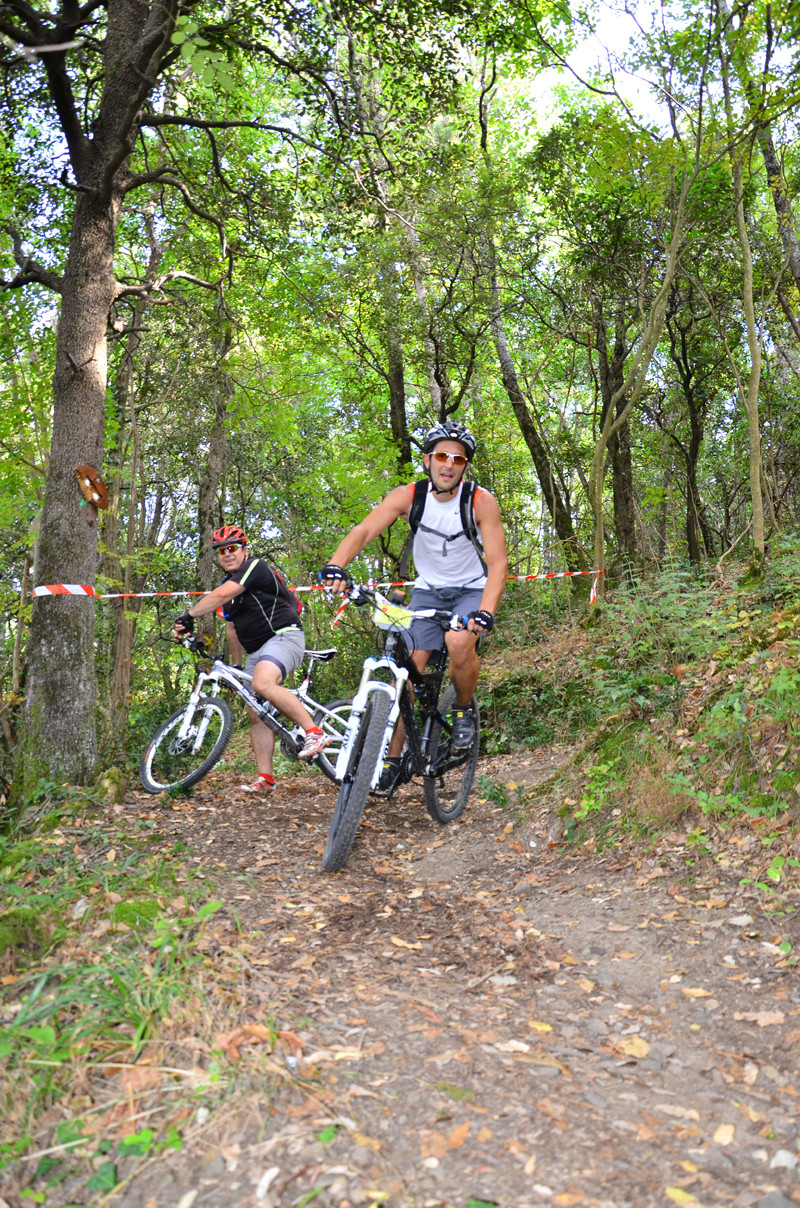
point(180, 746)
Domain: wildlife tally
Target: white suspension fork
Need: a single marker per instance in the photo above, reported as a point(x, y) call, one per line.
point(366, 688)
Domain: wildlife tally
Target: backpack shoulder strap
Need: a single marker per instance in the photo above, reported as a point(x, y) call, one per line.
point(469, 493)
point(253, 564)
point(419, 495)
point(417, 504)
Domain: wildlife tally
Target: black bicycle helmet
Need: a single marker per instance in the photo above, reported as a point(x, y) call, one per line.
point(448, 429)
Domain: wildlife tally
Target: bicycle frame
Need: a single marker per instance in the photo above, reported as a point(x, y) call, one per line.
point(401, 671)
point(239, 682)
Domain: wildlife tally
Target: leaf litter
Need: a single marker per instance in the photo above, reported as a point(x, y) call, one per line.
point(454, 1021)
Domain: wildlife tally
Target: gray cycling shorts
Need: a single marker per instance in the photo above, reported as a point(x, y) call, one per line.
point(429, 635)
point(285, 650)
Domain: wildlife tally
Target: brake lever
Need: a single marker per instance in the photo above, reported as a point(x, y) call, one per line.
point(357, 594)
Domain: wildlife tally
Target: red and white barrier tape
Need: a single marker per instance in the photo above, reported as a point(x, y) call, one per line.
point(75, 589)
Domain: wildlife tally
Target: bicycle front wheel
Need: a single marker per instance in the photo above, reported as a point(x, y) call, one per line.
point(171, 762)
point(332, 719)
point(447, 789)
point(357, 781)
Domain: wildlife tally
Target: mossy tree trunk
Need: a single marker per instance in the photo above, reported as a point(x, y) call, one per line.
point(59, 739)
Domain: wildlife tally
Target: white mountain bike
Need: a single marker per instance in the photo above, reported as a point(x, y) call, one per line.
point(190, 742)
point(447, 773)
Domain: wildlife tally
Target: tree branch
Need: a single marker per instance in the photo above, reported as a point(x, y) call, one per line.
point(31, 272)
point(148, 287)
point(161, 119)
point(162, 176)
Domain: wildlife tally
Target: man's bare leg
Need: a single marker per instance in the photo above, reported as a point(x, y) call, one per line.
point(262, 740)
point(420, 660)
point(465, 666)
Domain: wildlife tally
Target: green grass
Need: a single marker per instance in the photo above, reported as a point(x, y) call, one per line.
point(696, 696)
point(106, 969)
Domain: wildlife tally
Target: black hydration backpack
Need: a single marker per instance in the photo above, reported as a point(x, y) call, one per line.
point(468, 526)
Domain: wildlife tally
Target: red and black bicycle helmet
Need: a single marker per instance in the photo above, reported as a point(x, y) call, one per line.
point(229, 534)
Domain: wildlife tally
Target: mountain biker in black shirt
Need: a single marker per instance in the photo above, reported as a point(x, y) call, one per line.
point(262, 622)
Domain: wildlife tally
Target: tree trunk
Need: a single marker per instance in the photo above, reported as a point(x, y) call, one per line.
point(60, 728)
point(681, 359)
point(663, 514)
point(16, 658)
point(215, 464)
point(631, 388)
point(619, 446)
point(397, 386)
point(750, 393)
point(562, 520)
point(780, 199)
point(60, 737)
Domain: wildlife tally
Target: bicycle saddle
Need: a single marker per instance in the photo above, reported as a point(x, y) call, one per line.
point(321, 656)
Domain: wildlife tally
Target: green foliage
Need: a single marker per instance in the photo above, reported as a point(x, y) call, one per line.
point(595, 795)
point(663, 618)
point(21, 929)
point(508, 797)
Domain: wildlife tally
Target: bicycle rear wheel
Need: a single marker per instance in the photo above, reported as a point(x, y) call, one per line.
point(332, 720)
point(447, 790)
point(171, 762)
point(357, 782)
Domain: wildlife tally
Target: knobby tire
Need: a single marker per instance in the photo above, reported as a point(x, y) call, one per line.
point(168, 765)
point(355, 787)
point(446, 792)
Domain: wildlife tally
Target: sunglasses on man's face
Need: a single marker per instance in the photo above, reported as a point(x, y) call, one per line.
point(228, 549)
point(457, 459)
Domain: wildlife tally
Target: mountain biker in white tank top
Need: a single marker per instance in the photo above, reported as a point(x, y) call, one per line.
point(449, 572)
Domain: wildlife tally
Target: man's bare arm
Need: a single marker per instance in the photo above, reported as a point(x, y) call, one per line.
point(487, 516)
point(395, 504)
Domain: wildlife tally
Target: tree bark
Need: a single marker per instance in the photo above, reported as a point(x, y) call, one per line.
point(60, 737)
point(751, 390)
point(619, 446)
point(60, 728)
point(679, 350)
point(213, 469)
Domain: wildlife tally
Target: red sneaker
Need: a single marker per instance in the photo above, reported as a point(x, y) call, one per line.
point(315, 742)
point(262, 784)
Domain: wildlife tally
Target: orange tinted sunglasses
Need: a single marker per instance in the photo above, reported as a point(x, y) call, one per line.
point(457, 459)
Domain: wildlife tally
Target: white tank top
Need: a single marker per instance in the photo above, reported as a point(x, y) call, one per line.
point(439, 562)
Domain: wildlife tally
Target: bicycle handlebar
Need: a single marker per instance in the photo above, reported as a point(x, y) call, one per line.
point(360, 594)
point(197, 645)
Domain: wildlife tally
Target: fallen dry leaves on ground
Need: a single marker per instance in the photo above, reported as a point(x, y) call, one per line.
point(461, 1019)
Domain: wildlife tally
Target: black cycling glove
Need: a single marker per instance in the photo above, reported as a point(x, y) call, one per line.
point(331, 571)
point(484, 620)
point(186, 622)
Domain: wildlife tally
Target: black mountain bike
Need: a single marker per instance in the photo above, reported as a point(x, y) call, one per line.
point(185, 748)
point(447, 774)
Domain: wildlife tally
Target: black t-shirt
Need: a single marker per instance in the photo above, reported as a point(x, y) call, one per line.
point(265, 606)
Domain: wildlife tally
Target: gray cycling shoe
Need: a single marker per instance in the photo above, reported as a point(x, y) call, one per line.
point(463, 733)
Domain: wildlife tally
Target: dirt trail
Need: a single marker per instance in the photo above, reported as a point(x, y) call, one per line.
point(471, 1019)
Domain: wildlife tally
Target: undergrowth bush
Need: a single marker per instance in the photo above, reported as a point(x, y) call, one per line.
point(104, 953)
point(697, 691)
